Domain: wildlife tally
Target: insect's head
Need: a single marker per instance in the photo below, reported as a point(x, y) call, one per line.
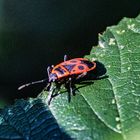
point(52, 77)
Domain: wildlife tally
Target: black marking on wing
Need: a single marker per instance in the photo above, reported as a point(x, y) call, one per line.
point(88, 63)
point(80, 67)
point(69, 67)
point(60, 70)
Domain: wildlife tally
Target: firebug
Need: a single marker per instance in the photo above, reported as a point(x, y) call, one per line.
point(65, 73)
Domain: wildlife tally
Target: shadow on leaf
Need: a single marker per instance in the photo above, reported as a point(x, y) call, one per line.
point(30, 119)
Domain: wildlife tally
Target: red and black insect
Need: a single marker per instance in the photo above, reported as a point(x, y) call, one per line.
point(65, 73)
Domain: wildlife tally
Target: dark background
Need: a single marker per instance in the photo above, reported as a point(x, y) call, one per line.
point(37, 33)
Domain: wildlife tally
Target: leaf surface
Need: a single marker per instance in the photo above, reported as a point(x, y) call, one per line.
point(109, 108)
point(29, 120)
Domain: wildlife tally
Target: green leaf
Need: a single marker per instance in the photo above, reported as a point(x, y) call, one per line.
point(109, 108)
point(29, 120)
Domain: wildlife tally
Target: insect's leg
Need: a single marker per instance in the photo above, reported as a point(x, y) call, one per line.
point(54, 91)
point(49, 83)
point(47, 88)
point(73, 90)
point(69, 96)
point(65, 57)
point(49, 69)
point(51, 92)
point(81, 75)
point(68, 86)
point(58, 89)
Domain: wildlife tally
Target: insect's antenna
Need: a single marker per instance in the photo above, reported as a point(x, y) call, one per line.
point(32, 83)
